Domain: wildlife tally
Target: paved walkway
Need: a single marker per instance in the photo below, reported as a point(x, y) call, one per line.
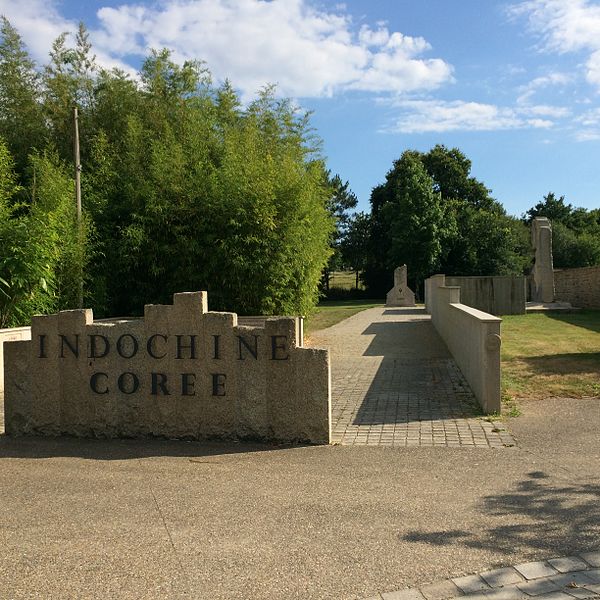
point(555, 579)
point(394, 383)
point(125, 519)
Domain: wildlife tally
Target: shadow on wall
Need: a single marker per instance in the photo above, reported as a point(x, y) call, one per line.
point(559, 519)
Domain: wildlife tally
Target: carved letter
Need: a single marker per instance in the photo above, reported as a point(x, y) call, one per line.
point(94, 383)
point(93, 351)
point(216, 346)
point(121, 346)
point(187, 384)
point(218, 384)
point(149, 345)
point(74, 349)
point(162, 384)
point(42, 353)
point(135, 383)
point(245, 344)
point(276, 346)
point(191, 346)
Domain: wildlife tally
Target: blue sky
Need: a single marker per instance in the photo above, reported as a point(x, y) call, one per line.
point(514, 84)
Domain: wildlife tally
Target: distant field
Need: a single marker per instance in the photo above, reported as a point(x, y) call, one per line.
point(345, 280)
point(329, 313)
point(551, 354)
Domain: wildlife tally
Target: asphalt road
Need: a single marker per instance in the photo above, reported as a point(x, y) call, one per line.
point(148, 519)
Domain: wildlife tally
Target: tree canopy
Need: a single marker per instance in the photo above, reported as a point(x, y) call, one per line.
point(432, 215)
point(184, 187)
point(575, 231)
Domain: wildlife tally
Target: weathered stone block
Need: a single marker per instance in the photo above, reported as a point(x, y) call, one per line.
point(181, 372)
point(400, 294)
point(543, 274)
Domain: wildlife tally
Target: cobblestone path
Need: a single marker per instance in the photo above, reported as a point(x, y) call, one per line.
point(394, 383)
point(562, 578)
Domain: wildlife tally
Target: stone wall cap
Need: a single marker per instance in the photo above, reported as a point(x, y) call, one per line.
point(14, 329)
point(485, 276)
point(477, 314)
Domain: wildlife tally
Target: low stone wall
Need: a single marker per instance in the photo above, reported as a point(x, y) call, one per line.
point(580, 287)
point(472, 337)
point(497, 295)
point(180, 372)
point(10, 335)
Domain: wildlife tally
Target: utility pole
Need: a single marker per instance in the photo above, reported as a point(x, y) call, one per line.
point(78, 201)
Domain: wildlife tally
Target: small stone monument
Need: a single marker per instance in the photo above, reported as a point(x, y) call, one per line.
point(400, 294)
point(542, 284)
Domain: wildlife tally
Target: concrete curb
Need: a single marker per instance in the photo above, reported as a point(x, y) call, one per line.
point(554, 579)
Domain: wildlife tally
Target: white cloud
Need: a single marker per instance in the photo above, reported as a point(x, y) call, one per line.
point(566, 26)
point(588, 135)
point(588, 125)
point(39, 23)
point(590, 118)
point(308, 52)
point(540, 83)
point(544, 110)
point(424, 116)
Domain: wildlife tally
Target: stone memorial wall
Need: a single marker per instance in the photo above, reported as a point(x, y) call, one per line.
point(580, 287)
point(180, 372)
point(496, 295)
point(472, 337)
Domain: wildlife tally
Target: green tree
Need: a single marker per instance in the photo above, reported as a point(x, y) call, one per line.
point(412, 217)
point(40, 251)
point(571, 249)
point(183, 187)
point(354, 247)
point(471, 233)
point(450, 170)
point(341, 200)
point(575, 231)
point(553, 208)
point(69, 80)
point(21, 118)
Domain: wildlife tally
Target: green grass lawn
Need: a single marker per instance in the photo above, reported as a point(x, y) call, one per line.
point(551, 354)
point(330, 312)
point(543, 354)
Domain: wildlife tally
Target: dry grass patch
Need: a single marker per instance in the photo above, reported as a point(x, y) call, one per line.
point(551, 354)
point(344, 280)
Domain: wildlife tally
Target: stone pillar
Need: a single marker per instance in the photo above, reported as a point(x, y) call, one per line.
point(400, 294)
point(542, 289)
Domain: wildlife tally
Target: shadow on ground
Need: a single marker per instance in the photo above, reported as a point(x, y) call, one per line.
point(415, 339)
point(564, 364)
point(123, 449)
point(589, 319)
point(404, 311)
point(416, 380)
point(550, 506)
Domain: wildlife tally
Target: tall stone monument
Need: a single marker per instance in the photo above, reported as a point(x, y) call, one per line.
point(542, 284)
point(400, 294)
